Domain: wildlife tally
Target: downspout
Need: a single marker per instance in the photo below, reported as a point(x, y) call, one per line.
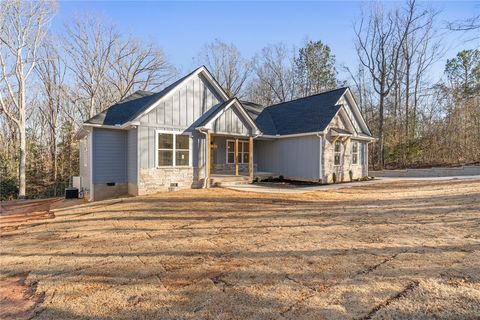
point(204, 131)
point(320, 156)
point(254, 136)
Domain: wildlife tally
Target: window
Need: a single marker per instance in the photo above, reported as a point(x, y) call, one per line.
point(337, 151)
point(354, 152)
point(173, 150)
point(230, 151)
point(243, 151)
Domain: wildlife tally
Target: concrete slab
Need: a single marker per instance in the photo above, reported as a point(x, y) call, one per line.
point(305, 189)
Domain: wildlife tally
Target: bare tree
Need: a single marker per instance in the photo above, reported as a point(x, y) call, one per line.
point(469, 24)
point(275, 76)
point(23, 27)
point(135, 66)
point(51, 71)
point(379, 44)
point(89, 43)
point(227, 65)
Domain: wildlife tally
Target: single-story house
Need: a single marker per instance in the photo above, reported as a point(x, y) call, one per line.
point(191, 131)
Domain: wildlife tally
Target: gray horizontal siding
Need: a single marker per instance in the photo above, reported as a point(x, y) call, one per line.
point(291, 157)
point(109, 156)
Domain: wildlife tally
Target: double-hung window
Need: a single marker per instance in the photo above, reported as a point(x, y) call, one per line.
point(354, 152)
point(173, 150)
point(243, 151)
point(337, 152)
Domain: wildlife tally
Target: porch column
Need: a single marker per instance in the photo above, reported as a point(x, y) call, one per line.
point(209, 147)
point(250, 158)
point(236, 156)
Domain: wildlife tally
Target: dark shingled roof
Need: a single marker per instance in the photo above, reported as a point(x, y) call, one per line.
point(253, 109)
point(132, 106)
point(308, 114)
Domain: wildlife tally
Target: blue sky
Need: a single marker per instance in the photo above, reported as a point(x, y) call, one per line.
point(182, 28)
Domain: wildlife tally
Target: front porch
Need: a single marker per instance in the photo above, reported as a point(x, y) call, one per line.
point(229, 157)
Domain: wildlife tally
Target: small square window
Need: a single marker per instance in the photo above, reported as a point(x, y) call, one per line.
point(354, 152)
point(337, 153)
point(337, 159)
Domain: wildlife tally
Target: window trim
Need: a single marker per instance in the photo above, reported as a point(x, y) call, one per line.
point(241, 150)
point(175, 134)
point(357, 153)
point(339, 153)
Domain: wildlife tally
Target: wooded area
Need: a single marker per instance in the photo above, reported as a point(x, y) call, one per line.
point(50, 83)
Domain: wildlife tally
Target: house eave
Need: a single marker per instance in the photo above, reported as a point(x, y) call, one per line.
point(303, 134)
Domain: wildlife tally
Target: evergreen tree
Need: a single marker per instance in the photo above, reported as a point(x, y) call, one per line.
point(315, 69)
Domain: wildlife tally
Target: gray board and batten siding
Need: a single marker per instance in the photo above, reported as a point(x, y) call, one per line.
point(296, 157)
point(177, 113)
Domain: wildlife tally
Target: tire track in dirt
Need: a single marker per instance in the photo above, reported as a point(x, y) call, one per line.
point(408, 289)
point(326, 287)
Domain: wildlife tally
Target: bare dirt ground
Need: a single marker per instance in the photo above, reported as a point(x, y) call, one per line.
point(393, 250)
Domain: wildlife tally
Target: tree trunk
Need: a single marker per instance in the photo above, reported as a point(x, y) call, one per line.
point(92, 106)
point(23, 141)
point(380, 157)
point(23, 158)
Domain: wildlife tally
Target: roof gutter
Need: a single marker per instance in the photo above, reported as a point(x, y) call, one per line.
point(294, 135)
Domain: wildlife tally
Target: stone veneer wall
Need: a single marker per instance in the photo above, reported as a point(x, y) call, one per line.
point(159, 179)
point(342, 170)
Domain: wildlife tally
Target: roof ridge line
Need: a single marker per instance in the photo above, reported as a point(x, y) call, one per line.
point(313, 95)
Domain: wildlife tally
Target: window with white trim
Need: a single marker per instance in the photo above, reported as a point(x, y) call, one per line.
point(337, 153)
point(173, 150)
point(243, 151)
point(354, 152)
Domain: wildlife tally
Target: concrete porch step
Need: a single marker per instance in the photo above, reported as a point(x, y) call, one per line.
point(228, 180)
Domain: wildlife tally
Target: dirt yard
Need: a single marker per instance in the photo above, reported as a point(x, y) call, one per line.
point(396, 250)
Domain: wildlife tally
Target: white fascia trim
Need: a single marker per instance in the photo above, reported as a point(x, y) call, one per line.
point(369, 139)
point(344, 114)
point(214, 82)
point(294, 135)
point(247, 117)
point(104, 126)
point(356, 110)
point(334, 134)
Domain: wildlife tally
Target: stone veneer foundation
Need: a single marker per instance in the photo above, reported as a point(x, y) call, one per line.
point(160, 179)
